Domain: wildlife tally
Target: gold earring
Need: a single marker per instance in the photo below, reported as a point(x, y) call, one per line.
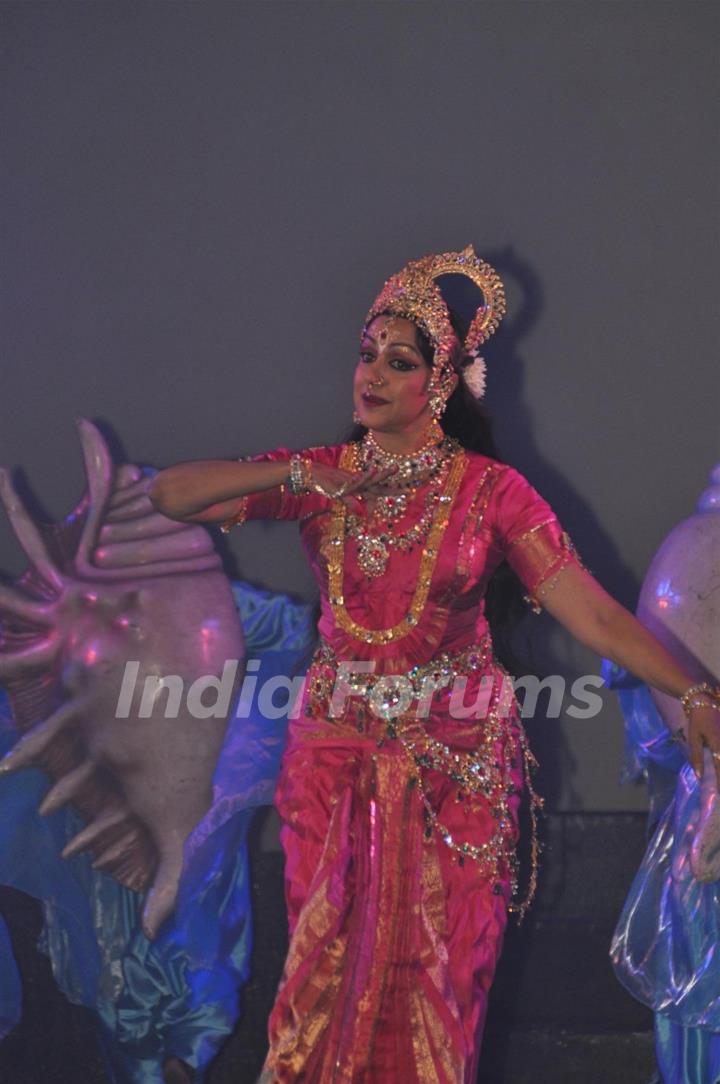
point(437, 406)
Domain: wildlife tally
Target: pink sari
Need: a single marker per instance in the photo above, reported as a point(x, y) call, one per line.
point(399, 833)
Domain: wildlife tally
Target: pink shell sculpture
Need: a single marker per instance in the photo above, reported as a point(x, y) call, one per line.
point(680, 603)
point(112, 584)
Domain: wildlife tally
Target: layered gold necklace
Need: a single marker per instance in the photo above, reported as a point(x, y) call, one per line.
point(411, 468)
point(376, 536)
point(373, 550)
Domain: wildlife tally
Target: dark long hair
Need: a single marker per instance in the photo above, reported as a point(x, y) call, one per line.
point(465, 420)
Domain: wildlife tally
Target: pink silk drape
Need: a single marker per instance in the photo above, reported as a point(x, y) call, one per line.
point(395, 935)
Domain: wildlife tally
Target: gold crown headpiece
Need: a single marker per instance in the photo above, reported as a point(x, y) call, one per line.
point(414, 294)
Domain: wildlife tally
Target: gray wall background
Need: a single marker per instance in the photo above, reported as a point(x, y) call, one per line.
point(199, 202)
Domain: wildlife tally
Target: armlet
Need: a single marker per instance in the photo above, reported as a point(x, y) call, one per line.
point(539, 555)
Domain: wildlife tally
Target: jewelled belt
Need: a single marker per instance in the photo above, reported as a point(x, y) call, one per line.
point(437, 673)
point(484, 773)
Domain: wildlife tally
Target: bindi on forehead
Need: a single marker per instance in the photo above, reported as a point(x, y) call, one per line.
point(394, 326)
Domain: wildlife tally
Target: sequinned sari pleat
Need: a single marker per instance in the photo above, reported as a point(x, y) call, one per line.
point(393, 944)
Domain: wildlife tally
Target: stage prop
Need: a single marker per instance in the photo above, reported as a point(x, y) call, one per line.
point(130, 773)
point(666, 948)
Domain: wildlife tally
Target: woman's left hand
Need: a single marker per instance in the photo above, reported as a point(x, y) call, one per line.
point(703, 731)
point(350, 488)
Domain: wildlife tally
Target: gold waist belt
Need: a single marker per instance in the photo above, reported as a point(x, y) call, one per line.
point(439, 671)
point(489, 773)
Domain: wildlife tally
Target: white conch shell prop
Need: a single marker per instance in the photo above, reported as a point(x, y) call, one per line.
point(680, 603)
point(117, 582)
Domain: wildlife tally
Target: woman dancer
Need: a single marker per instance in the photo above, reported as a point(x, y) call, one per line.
point(405, 762)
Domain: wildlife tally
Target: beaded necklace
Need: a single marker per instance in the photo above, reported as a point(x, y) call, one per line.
point(374, 545)
point(428, 464)
point(349, 460)
point(411, 468)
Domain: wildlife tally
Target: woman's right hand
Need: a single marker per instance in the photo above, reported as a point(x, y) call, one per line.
point(704, 733)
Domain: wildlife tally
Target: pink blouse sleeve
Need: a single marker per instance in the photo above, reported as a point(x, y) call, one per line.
point(279, 502)
point(529, 534)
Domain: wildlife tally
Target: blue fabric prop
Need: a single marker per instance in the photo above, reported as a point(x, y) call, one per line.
point(178, 995)
point(10, 988)
point(666, 948)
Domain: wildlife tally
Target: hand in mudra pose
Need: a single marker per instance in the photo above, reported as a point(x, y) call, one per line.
point(338, 484)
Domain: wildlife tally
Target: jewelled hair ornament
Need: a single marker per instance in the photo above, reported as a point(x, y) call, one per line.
point(414, 294)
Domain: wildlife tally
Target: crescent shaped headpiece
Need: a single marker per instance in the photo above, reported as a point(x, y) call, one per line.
point(414, 294)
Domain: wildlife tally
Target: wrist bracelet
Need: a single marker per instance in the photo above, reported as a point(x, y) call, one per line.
point(703, 702)
point(701, 695)
point(300, 475)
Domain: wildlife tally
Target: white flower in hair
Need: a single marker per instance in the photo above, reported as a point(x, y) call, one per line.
point(473, 375)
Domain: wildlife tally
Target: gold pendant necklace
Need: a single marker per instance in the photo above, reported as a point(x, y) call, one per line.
point(427, 464)
point(373, 555)
point(411, 468)
point(375, 545)
point(336, 556)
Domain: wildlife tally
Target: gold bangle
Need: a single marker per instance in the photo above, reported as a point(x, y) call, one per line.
point(705, 702)
point(702, 694)
point(300, 480)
